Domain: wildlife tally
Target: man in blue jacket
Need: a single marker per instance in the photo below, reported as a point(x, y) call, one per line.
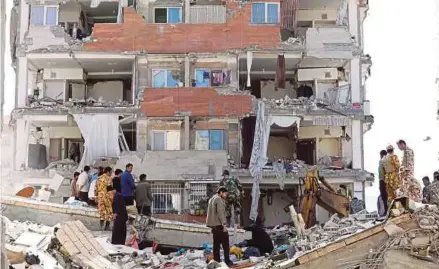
point(127, 185)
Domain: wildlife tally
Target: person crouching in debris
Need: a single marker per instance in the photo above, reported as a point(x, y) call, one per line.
point(119, 232)
point(391, 178)
point(132, 234)
point(217, 221)
point(103, 199)
point(234, 196)
point(260, 238)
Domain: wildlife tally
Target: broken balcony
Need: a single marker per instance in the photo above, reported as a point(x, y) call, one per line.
point(83, 83)
point(292, 84)
point(56, 27)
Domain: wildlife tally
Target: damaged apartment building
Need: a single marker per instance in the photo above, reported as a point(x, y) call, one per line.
point(177, 87)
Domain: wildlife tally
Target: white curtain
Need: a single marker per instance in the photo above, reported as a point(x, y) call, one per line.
point(259, 153)
point(101, 136)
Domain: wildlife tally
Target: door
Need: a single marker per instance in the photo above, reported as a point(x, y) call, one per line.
point(306, 150)
point(55, 149)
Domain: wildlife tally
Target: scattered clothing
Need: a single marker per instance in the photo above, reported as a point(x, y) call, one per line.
point(119, 233)
point(391, 178)
point(144, 198)
point(132, 237)
point(103, 200)
point(252, 252)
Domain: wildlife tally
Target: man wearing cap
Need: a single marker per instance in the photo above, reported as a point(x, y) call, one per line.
point(217, 221)
point(234, 195)
point(391, 178)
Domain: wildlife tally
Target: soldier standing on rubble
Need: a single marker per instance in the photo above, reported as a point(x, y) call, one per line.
point(103, 200)
point(410, 185)
point(234, 195)
point(391, 178)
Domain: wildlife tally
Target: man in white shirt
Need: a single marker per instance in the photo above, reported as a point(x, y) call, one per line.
point(83, 184)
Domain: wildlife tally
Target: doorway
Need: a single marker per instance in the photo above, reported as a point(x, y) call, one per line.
point(306, 150)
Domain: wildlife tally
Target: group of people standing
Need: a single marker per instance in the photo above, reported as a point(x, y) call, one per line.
point(397, 178)
point(112, 193)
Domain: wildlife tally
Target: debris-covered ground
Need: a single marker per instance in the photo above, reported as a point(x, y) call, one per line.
point(72, 245)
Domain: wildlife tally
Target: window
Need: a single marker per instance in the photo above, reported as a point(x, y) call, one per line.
point(167, 15)
point(164, 78)
point(202, 77)
point(214, 78)
point(209, 140)
point(265, 13)
point(44, 15)
point(165, 140)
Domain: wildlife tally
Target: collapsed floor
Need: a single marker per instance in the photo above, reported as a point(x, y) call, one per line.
point(416, 240)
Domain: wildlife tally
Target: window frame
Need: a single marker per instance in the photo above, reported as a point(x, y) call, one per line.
point(166, 77)
point(45, 7)
point(266, 13)
point(223, 135)
point(167, 15)
point(202, 69)
point(152, 139)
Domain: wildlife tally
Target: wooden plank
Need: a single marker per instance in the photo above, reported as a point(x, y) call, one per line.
point(330, 248)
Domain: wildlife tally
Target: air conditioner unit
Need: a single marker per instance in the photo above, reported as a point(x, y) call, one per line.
point(63, 74)
point(317, 74)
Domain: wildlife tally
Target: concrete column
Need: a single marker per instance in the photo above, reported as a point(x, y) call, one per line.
point(353, 16)
point(22, 82)
point(20, 144)
point(142, 135)
point(187, 11)
point(24, 19)
point(355, 80)
point(357, 144)
point(187, 72)
point(187, 134)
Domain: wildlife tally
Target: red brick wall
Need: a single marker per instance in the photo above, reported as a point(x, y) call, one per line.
point(164, 102)
point(134, 34)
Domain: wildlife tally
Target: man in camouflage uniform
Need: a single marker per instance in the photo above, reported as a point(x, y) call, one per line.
point(235, 194)
point(433, 193)
point(410, 186)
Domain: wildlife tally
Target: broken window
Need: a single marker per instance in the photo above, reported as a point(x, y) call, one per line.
point(164, 78)
point(44, 15)
point(167, 15)
point(165, 140)
point(265, 13)
point(209, 140)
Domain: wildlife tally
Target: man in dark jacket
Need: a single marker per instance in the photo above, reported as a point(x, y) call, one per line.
point(260, 239)
point(116, 180)
point(119, 233)
point(143, 196)
point(127, 185)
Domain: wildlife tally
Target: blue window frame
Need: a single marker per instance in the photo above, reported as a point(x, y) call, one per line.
point(265, 13)
point(216, 139)
point(202, 77)
point(44, 15)
point(162, 78)
point(167, 15)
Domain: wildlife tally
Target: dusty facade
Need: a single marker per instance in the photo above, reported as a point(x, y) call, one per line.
point(174, 86)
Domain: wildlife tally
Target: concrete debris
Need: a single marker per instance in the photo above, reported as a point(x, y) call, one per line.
point(420, 245)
